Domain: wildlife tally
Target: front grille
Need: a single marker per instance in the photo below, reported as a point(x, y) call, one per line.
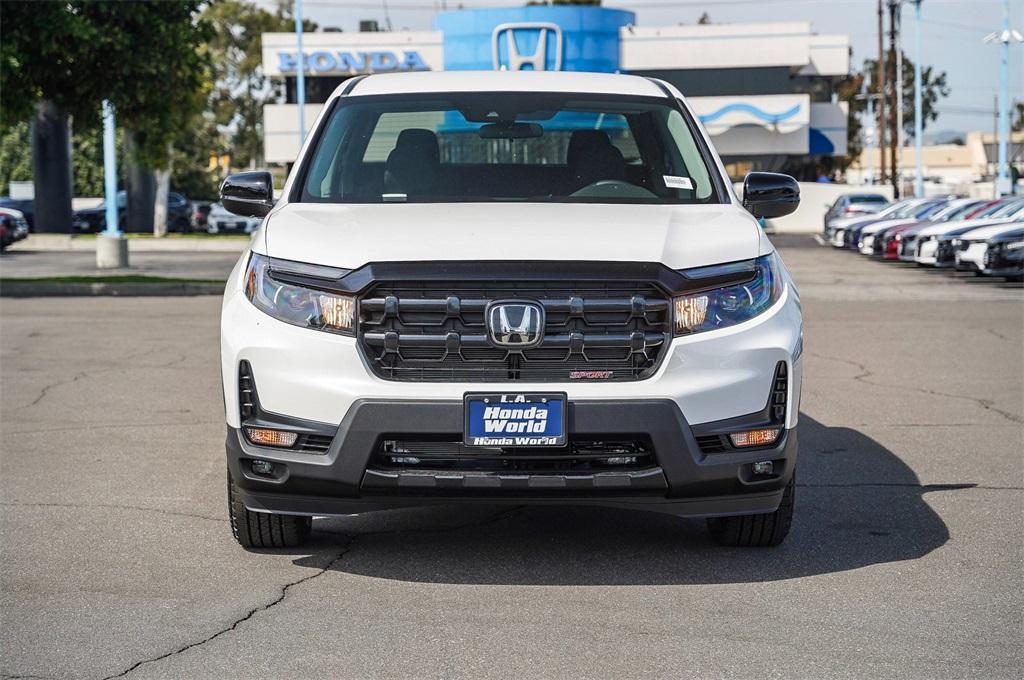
point(578, 456)
point(436, 332)
point(314, 443)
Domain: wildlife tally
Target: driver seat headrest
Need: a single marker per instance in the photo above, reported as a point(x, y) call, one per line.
point(412, 166)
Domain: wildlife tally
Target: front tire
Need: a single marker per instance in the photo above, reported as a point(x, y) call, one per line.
point(756, 531)
point(263, 530)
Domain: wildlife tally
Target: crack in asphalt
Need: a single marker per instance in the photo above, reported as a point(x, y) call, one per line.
point(114, 506)
point(997, 334)
point(46, 389)
point(239, 621)
point(352, 538)
point(90, 374)
point(866, 373)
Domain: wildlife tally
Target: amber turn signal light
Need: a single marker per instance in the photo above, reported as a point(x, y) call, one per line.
point(265, 437)
point(762, 437)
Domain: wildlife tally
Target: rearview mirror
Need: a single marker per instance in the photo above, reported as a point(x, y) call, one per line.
point(511, 131)
point(249, 194)
point(770, 194)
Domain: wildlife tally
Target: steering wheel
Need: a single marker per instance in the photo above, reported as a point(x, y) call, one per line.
point(612, 188)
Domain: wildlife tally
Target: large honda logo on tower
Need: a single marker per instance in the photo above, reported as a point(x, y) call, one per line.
point(510, 41)
point(515, 324)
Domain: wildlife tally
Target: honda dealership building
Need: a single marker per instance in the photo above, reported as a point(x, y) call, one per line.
point(765, 92)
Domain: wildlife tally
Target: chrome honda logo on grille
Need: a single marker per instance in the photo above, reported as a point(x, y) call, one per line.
point(515, 324)
point(509, 34)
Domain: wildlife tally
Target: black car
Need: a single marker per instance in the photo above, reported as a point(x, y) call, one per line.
point(1005, 255)
point(26, 205)
point(93, 220)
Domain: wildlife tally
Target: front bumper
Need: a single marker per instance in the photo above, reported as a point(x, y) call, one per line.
point(971, 260)
point(346, 479)
point(322, 379)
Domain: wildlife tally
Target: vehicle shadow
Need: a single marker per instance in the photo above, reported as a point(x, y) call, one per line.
point(857, 504)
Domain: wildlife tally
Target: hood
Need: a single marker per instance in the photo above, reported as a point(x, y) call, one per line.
point(1010, 235)
point(984, 233)
point(962, 227)
point(680, 236)
point(849, 222)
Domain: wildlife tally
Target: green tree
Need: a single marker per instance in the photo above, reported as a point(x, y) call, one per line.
point(61, 59)
point(15, 157)
point(240, 90)
point(934, 87)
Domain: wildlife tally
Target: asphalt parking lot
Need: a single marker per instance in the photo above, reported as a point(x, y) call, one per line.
point(905, 558)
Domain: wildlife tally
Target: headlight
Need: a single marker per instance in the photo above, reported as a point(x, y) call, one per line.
point(729, 305)
point(1016, 245)
point(297, 305)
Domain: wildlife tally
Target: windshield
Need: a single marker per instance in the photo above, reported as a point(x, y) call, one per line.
point(929, 210)
point(868, 198)
point(1007, 210)
point(957, 213)
point(507, 146)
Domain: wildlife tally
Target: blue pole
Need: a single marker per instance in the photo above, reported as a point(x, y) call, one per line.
point(110, 170)
point(918, 115)
point(300, 71)
point(1003, 178)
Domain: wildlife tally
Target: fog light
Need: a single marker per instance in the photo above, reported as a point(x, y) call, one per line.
point(265, 437)
point(263, 467)
point(764, 467)
point(755, 437)
point(405, 460)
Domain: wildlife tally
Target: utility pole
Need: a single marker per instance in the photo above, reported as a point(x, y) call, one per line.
point(894, 169)
point(901, 140)
point(918, 114)
point(880, 79)
point(300, 74)
point(1004, 37)
point(111, 246)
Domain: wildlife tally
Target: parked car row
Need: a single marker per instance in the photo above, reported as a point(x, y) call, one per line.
point(183, 215)
point(966, 234)
point(94, 220)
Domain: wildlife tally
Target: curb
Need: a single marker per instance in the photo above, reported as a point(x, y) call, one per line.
point(68, 242)
point(27, 289)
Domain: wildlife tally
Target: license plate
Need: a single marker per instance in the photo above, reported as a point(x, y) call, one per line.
point(515, 419)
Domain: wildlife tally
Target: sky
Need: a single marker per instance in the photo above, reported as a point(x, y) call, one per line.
point(951, 35)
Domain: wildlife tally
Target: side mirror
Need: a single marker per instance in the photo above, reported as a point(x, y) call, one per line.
point(249, 194)
point(770, 194)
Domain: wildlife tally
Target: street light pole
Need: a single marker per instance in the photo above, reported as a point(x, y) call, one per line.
point(300, 74)
point(111, 246)
point(918, 114)
point(1002, 177)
